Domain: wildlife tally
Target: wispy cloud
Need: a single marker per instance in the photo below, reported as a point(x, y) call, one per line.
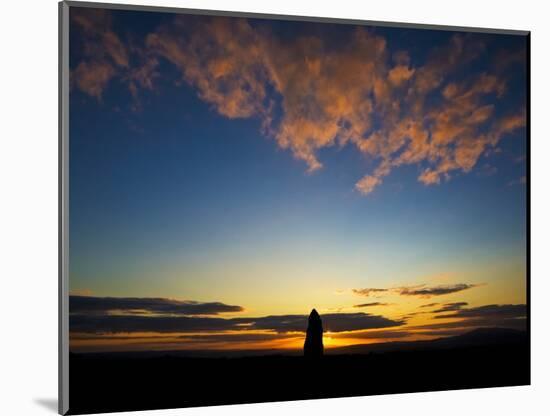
point(423, 291)
point(504, 316)
point(367, 305)
point(92, 77)
point(520, 181)
point(487, 311)
point(448, 307)
point(310, 95)
point(429, 291)
point(369, 291)
point(487, 170)
point(520, 159)
point(105, 56)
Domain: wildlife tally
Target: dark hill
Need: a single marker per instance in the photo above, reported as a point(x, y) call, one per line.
point(140, 381)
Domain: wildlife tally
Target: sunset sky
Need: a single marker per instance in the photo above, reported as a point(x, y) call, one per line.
point(228, 175)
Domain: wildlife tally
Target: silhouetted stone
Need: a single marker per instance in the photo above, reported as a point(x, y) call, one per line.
point(313, 346)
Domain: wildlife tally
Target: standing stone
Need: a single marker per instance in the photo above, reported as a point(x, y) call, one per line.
point(313, 346)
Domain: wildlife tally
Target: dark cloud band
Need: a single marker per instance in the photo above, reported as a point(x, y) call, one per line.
point(487, 312)
point(369, 304)
point(337, 322)
point(92, 304)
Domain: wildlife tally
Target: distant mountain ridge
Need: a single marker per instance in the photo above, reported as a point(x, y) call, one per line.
point(475, 338)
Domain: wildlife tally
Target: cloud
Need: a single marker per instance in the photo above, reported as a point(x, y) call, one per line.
point(488, 311)
point(429, 291)
point(222, 58)
point(520, 159)
point(236, 337)
point(230, 338)
point(101, 324)
point(503, 316)
point(92, 77)
point(367, 184)
point(310, 95)
point(422, 291)
point(91, 304)
point(513, 323)
point(366, 305)
point(449, 136)
point(521, 181)
point(400, 74)
point(451, 307)
point(103, 53)
point(487, 170)
point(336, 322)
point(104, 56)
point(446, 307)
point(369, 291)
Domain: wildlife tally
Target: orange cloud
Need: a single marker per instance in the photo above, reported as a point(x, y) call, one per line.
point(400, 74)
point(310, 95)
point(92, 77)
point(324, 96)
point(105, 56)
point(115, 49)
point(429, 177)
point(367, 184)
point(222, 58)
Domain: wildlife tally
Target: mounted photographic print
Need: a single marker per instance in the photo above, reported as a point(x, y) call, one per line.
point(263, 208)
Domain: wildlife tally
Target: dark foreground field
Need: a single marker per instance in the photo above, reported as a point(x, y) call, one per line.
point(119, 382)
